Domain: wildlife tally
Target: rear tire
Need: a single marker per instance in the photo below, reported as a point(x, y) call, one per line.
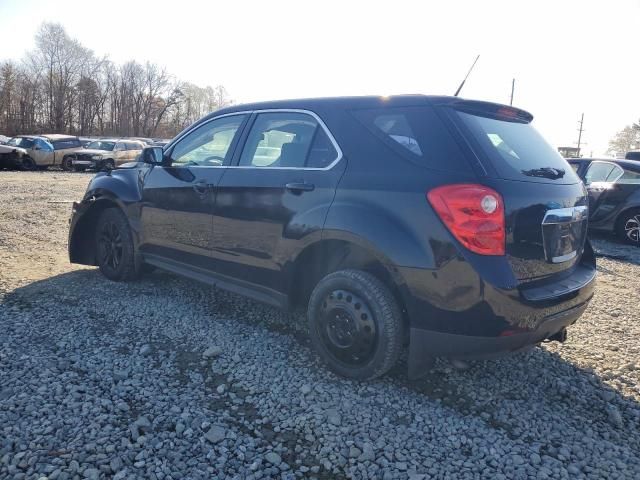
point(114, 246)
point(355, 324)
point(628, 226)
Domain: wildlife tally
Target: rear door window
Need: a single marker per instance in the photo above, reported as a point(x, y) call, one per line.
point(630, 176)
point(517, 151)
point(417, 134)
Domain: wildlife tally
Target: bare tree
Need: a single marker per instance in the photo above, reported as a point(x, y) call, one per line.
point(61, 86)
point(626, 139)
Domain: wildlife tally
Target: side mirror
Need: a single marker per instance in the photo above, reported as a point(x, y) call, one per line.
point(152, 155)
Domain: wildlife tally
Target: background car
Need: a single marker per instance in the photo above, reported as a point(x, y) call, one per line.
point(11, 156)
point(43, 151)
point(106, 154)
point(3, 140)
point(614, 195)
point(633, 155)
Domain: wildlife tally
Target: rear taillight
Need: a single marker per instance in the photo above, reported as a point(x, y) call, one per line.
point(474, 214)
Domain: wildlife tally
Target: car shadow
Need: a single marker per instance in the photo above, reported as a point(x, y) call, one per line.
point(609, 245)
point(528, 396)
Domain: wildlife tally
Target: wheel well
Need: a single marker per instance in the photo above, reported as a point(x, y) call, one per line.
point(323, 258)
point(82, 248)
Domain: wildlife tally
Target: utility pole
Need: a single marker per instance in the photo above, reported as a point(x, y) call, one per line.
point(513, 87)
point(580, 130)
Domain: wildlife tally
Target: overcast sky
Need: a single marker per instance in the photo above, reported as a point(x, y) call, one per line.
point(567, 57)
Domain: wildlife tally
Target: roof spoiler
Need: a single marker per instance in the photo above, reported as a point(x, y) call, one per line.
point(489, 109)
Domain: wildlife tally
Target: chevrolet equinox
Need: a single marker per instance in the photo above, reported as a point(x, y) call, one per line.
point(444, 225)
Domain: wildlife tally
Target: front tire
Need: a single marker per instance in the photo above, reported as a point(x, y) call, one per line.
point(28, 164)
point(67, 164)
point(114, 246)
point(355, 324)
point(628, 226)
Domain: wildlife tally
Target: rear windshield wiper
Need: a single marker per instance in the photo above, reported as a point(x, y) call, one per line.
point(545, 172)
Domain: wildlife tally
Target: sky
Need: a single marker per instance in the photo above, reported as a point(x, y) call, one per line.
point(567, 57)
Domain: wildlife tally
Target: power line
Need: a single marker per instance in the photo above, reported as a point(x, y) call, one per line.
point(580, 130)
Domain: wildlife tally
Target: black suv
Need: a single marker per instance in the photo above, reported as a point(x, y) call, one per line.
point(444, 224)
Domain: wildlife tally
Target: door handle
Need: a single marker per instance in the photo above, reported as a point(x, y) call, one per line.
point(299, 187)
point(201, 187)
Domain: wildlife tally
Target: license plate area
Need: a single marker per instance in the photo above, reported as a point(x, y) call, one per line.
point(563, 233)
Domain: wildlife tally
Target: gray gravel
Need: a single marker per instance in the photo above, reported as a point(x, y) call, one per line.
point(166, 378)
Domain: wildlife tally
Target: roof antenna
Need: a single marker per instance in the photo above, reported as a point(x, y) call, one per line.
point(467, 76)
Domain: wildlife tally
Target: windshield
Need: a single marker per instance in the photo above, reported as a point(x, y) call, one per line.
point(21, 142)
point(101, 145)
point(518, 151)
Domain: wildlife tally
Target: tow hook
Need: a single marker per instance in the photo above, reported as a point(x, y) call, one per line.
point(560, 336)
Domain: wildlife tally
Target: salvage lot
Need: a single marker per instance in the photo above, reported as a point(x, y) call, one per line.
point(99, 379)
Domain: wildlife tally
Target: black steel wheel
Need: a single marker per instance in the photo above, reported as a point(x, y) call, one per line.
point(114, 246)
point(355, 324)
point(347, 328)
point(628, 227)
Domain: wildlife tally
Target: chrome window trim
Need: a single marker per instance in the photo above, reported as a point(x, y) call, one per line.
point(177, 140)
point(269, 110)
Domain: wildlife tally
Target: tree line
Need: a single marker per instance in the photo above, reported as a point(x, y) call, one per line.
point(626, 139)
point(63, 87)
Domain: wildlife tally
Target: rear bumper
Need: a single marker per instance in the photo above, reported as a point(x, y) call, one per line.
point(456, 313)
point(473, 347)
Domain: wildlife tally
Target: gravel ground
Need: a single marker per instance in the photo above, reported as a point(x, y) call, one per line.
point(166, 378)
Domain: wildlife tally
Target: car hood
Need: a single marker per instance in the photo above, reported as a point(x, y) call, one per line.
point(92, 151)
point(9, 148)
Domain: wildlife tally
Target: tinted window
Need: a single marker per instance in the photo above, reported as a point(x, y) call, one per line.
point(287, 139)
point(208, 144)
point(66, 143)
point(632, 155)
point(600, 172)
point(517, 151)
point(575, 166)
point(629, 176)
point(416, 133)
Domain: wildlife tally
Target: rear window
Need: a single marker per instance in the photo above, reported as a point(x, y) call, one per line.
point(66, 143)
point(415, 133)
point(517, 151)
point(632, 155)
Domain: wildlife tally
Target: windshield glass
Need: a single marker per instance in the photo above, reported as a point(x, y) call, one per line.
point(21, 142)
point(99, 145)
point(518, 151)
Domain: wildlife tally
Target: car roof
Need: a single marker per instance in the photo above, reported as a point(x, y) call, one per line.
point(630, 164)
point(57, 136)
point(347, 103)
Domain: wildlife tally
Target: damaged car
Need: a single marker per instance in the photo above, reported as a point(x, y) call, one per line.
point(11, 154)
point(106, 154)
point(445, 226)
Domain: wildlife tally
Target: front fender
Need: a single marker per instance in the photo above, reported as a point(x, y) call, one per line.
point(104, 191)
